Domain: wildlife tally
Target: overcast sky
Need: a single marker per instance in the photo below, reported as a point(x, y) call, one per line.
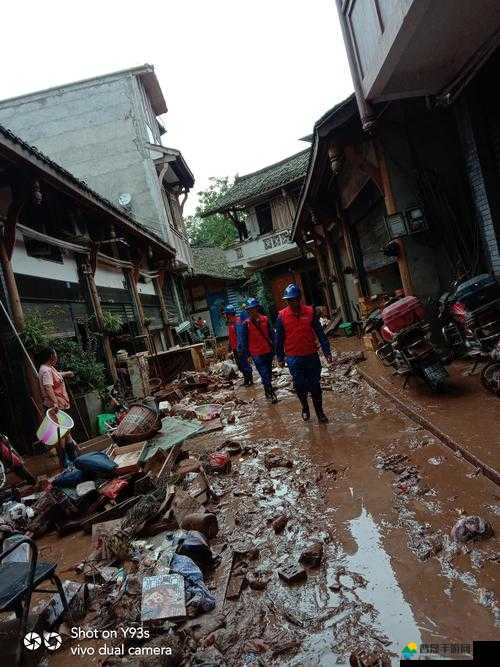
point(243, 80)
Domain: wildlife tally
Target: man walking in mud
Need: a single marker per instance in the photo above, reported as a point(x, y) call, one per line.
point(298, 331)
point(233, 322)
point(257, 340)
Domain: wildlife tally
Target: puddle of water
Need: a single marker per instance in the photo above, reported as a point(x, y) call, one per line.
point(383, 591)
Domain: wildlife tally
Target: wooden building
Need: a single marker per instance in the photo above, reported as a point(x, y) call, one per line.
point(262, 206)
point(388, 209)
point(63, 244)
point(213, 285)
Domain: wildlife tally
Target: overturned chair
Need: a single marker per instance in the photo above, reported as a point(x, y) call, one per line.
point(18, 581)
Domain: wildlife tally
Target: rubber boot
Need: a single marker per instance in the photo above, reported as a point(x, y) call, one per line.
point(306, 415)
point(267, 391)
point(317, 400)
point(248, 380)
point(272, 395)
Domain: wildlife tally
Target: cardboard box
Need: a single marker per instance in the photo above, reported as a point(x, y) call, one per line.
point(99, 444)
point(126, 458)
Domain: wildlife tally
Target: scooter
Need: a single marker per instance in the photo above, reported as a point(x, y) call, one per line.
point(406, 342)
point(469, 315)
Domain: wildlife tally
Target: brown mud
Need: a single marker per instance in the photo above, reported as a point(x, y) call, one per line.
point(389, 574)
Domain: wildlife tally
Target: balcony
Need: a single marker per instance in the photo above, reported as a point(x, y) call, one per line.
point(265, 250)
point(404, 48)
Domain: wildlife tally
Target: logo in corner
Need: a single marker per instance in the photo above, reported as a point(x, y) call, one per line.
point(52, 640)
point(410, 651)
point(32, 641)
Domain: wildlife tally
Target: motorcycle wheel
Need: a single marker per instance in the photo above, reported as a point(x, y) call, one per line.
point(490, 377)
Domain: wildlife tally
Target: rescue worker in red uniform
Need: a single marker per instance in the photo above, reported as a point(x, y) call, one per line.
point(233, 324)
point(257, 340)
point(298, 331)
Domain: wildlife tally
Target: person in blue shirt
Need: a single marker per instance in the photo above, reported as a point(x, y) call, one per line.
point(298, 331)
point(256, 339)
point(233, 326)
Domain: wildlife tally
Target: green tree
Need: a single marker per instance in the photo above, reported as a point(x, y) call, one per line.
point(214, 230)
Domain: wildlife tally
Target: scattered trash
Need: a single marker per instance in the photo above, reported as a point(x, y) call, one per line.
point(313, 555)
point(219, 462)
point(276, 458)
point(471, 528)
point(279, 523)
point(208, 411)
point(202, 522)
point(292, 574)
point(163, 596)
point(435, 460)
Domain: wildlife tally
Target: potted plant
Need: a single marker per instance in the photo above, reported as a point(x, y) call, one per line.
point(89, 377)
point(37, 333)
point(112, 323)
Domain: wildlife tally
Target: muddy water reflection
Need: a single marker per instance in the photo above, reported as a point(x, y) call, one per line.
point(382, 590)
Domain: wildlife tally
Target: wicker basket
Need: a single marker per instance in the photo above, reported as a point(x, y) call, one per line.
point(140, 423)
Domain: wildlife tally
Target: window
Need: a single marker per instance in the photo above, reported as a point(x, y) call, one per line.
point(264, 218)
point(42, 250)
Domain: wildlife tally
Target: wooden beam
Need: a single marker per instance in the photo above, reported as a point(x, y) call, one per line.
point(336, 271)
point(391, 208)
point(159, 284)
point(94, 303)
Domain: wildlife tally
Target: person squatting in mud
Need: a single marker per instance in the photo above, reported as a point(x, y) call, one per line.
point(298, 331)
point(233, 324)
point(256, 340)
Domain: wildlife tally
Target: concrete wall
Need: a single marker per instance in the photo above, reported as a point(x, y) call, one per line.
point(436, 154)
point(98, 132)
point(25, 265)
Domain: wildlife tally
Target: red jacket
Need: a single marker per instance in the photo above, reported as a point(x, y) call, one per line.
point(258, 336)
point(300, 337)
point(231, 332)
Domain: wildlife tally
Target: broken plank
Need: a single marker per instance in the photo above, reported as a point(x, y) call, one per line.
point(113, 513)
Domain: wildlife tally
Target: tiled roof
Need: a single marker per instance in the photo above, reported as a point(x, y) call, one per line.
point(209, 261)
point(81, 185)
point(250, 186)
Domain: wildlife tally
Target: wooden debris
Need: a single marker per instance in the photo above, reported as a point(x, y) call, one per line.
point(292, 573)
point(114, 512)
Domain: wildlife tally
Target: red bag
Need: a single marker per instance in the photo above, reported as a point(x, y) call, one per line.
point(219, 462)
point(113, 489)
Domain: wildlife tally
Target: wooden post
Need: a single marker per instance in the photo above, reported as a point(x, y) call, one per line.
point(390, 206)
point(324, 277)
point(336, 271)
point(87, 276)
point(136, 299)
point(159, 284)
point(11, 285)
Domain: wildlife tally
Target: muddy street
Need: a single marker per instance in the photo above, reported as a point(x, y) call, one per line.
point(389, 573)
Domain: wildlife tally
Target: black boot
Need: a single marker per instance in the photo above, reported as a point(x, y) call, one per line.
point(317, 400)
point(272, 395)
point(306, 415)
point(267, 391)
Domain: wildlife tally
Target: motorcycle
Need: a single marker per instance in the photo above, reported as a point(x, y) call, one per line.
point(407, 345)
point(469, 315)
